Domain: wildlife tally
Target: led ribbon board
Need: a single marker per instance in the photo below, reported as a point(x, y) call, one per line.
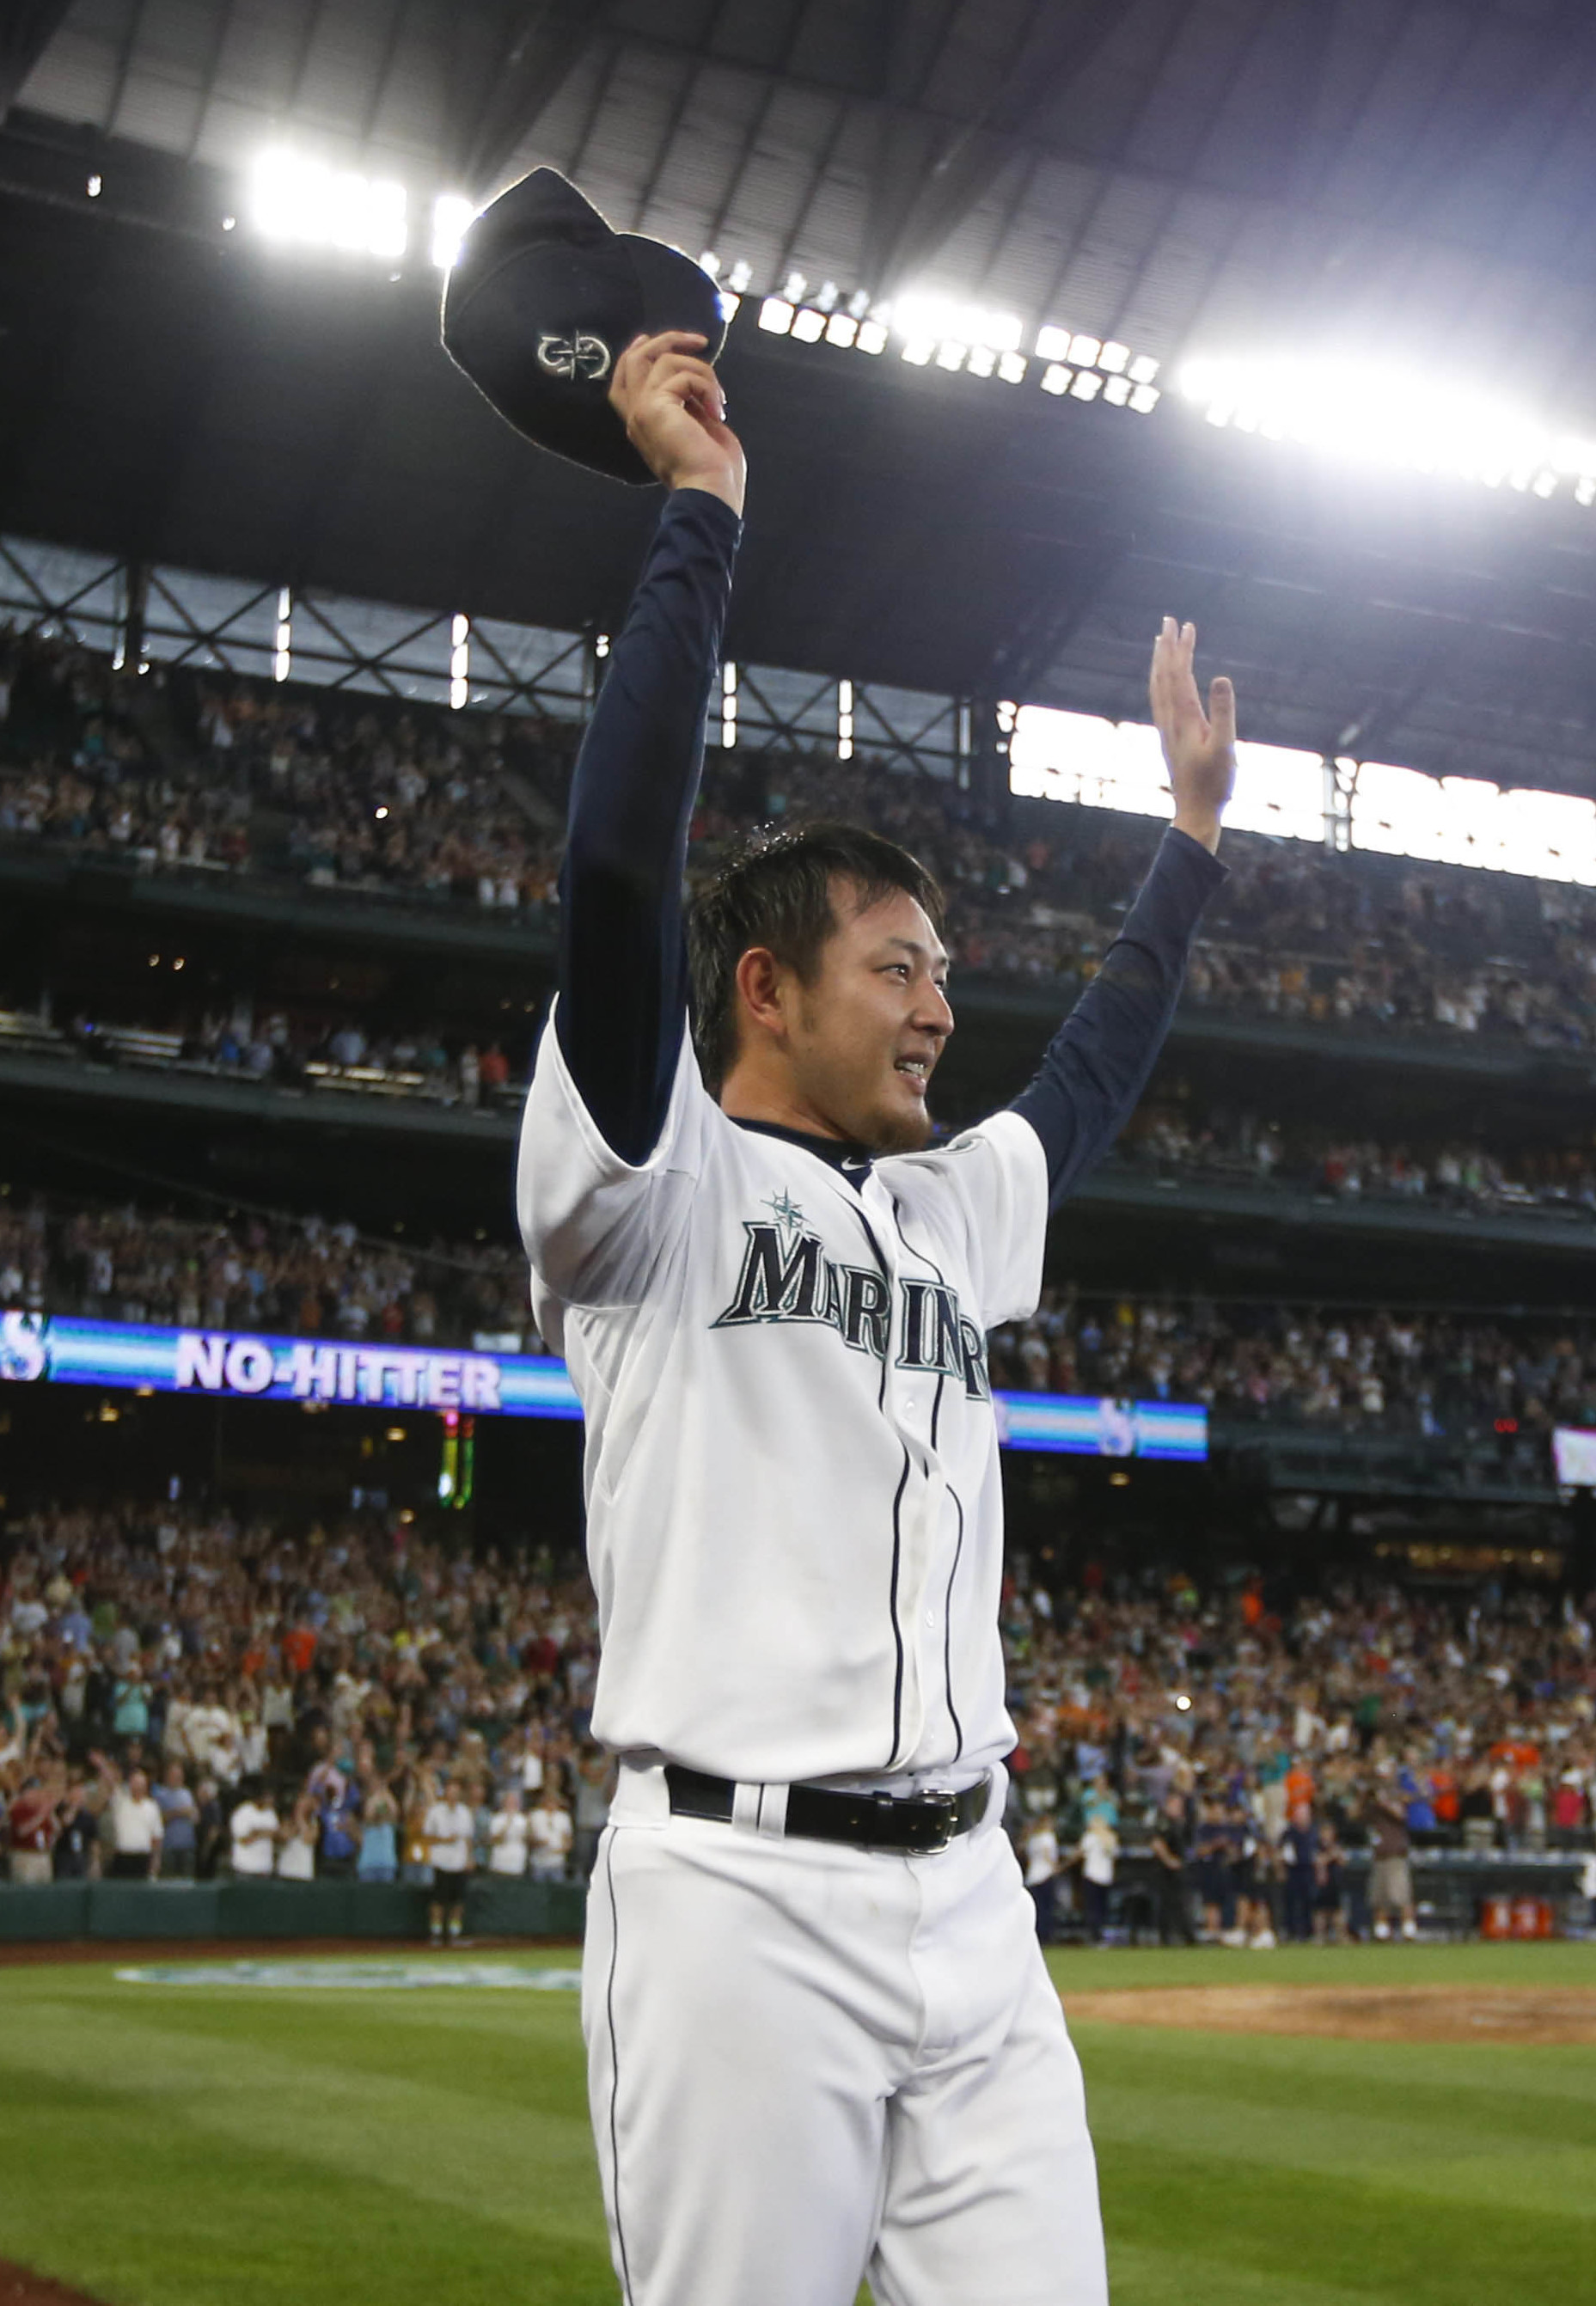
point(234, 1365)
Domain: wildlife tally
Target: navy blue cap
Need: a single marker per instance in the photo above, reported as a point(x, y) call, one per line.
point(544, 298)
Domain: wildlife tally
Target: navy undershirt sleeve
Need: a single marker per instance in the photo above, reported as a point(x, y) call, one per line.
point(623, 962)
point(1097, 1063)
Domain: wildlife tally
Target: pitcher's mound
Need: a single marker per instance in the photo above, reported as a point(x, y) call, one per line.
point(1364, 2013)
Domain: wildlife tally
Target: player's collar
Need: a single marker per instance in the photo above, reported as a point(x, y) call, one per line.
point(838, 1152)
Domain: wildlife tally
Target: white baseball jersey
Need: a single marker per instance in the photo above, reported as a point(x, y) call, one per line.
point(794, 1510)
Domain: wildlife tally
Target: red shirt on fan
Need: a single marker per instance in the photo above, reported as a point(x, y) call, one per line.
point(33, 1822)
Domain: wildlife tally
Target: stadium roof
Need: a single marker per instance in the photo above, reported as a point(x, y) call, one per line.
point(1416, 178)
point(1148, 169)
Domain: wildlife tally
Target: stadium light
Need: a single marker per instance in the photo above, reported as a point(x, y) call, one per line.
point(1374, 414)
point(451, 213)
point(729, 705)
point(459, 662)
point(961, 339)
point(282, 652)
point(1088, 367)
point(919, 316)
point(295, 199)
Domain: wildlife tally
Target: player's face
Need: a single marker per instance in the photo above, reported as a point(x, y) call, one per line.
point(872, 1025)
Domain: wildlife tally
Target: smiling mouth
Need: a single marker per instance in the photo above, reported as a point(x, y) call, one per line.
point(916, 1069)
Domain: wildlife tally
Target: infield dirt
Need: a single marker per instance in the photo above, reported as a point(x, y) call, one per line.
point(19, 2287)
point(1529, 2016)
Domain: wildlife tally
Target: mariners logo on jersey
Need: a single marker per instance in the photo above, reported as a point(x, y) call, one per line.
point(787, 1276)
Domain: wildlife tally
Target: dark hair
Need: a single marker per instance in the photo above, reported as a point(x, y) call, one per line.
point(777, 893)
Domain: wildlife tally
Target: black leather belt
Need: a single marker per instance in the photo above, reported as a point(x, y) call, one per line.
point(915, 1824)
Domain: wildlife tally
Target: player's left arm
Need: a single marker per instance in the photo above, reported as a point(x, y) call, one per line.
point(1097, 1063)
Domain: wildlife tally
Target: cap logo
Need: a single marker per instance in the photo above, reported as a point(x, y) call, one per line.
point(587, 356)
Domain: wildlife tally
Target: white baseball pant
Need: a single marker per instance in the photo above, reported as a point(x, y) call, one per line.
point(809, 2063)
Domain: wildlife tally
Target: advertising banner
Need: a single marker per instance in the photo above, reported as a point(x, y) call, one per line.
point(231, 1364)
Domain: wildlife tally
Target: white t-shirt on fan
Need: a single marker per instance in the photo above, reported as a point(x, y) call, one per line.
point(448, 1830)
point(508, 1834)
point(255, 1827)
point(551, 1831)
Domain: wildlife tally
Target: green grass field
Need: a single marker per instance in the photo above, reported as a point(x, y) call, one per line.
point(182, 2146)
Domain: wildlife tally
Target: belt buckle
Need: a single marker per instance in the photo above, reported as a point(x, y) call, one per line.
point(939, 1825)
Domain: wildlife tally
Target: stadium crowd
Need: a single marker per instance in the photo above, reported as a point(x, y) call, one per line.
point(1353, 1369)
point(1250, 1747)
point(1350, 1369)
point(188, 1692)
point(186, 770)
point(303, 1276)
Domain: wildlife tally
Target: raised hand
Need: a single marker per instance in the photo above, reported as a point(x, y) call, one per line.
point(674, 411)
point(1199, 747)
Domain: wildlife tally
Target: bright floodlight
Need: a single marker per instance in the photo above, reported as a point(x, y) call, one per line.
point(923, 319)
point(776, 315)
point(1387, 417)
point(451, 213)
point(299, 199)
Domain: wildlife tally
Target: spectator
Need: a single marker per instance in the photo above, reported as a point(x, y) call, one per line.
point(551, 1833)
point(378, 1859)
point(180, 1819)
point(253, 1830)
point(76, 1856)
point(1303, 1872)
point(339, 1824)
point(508, 1835)
point(296, 1851)
point(34, 1826)
point(1390, 1878)
point(1329, 1911)
point(1170, 1843)
point(1211, 1852)
point(449, 1835)
point(1099, 1845)
point(211, 1829)
point(1042, 1861)
point(135, 1823)
point(594, 1779)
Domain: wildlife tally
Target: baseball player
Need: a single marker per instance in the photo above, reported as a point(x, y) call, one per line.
point(821, 2041)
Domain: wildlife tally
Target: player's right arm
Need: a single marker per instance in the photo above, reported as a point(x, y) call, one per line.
point(623, 972)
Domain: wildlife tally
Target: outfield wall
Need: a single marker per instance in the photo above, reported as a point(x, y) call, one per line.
point(1451, 1887)
point(494, 1909)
